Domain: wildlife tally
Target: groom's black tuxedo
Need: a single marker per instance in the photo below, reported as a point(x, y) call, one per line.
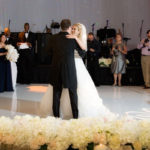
point(63, 70)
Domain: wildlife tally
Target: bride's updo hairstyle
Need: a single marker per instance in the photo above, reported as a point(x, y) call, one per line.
point(82, 32)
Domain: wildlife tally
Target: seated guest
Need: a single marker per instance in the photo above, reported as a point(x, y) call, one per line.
point(92, 58)
point(5, 68)
point(145, 59)
point(25, 62)
point(118, 66)
point(9, 39)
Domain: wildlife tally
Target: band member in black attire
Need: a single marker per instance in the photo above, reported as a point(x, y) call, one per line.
point(92, 58)
point(10, 39)
point(26, 59)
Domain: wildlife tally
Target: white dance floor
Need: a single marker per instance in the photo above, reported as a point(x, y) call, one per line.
point(26, 99)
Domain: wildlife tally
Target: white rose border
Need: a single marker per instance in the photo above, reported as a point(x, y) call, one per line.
point(59, 134)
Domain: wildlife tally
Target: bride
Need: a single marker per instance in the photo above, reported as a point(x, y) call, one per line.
point(89, 102)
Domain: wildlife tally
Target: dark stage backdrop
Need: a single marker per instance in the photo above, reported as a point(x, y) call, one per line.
point(42, 51)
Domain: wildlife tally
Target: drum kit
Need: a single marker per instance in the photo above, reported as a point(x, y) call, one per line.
point(54, 27)
point(106, 37)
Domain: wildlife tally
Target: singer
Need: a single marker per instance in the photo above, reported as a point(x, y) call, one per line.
point(118, 66)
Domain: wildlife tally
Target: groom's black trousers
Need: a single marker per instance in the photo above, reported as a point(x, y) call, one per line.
point(73, 99)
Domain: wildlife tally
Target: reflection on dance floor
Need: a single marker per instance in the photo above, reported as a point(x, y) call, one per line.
point(27, 99)
point(24, 100)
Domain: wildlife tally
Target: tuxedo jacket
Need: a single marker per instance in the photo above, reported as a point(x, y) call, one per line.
point(30, 39)
point(63, 70)
point(11, 40)
point(96, 46)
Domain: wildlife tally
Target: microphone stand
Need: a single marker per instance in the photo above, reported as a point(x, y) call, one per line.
point(107, 22)
point(141, 28)
point(125, 39)
point(44, 29)
point(93, 26)
point(123, 30)
point(9, 23)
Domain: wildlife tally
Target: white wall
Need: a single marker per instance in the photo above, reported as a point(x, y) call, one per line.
point(40, 12)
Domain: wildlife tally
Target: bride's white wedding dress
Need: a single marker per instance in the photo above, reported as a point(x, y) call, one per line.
point(89, 102)
point(13, 74)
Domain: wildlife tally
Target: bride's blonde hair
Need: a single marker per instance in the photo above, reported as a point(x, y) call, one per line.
point(82, 32)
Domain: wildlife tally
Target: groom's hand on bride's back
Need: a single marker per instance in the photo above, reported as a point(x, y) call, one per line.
point(70, 36)
point(81, 52)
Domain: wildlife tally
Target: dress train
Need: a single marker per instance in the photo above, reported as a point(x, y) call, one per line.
point(89, 102)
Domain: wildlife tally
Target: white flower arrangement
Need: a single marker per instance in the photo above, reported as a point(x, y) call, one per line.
point(106, 62)
point(57, 134)
point(127, 61)
point(12, 54)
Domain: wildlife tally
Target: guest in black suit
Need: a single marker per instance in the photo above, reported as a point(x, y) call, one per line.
point(63, 67)
point(28, 37)
point(92, 58)
point(26, 59)
point(9, 38)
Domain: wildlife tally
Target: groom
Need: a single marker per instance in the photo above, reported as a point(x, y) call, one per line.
point(63, 67)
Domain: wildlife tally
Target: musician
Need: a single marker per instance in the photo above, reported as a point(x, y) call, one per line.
point(26, 59)
point(28, 36)
point(48, 31)
point(145, 59)
point(9, 38)
point(92, 58)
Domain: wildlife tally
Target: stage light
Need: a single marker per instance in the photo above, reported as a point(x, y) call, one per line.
point(36, 88)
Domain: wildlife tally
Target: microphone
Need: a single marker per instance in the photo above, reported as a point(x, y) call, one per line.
point(107, 22)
